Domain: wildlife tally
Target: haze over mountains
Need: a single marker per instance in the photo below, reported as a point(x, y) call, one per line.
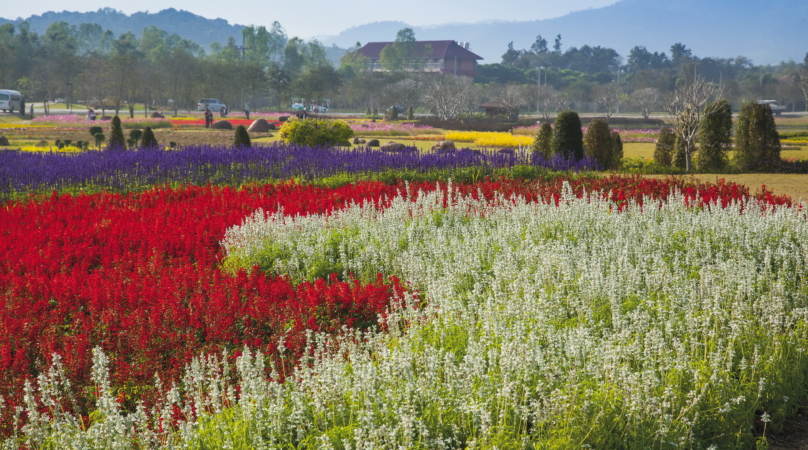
point(767, 31)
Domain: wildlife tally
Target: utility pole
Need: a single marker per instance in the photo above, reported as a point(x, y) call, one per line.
point(243, 48)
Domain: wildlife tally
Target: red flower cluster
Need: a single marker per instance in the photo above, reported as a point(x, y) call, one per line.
point(138, 275)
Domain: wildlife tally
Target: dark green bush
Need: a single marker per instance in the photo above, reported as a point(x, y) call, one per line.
point(663, 153)
point(757, 144)
point(599, 143)
point(95, 130)
point(148, 139)
point(544, 140)
point(617, 150)
point(715, 137)
point(568, 139)
point(116, 139)
point(241, 137)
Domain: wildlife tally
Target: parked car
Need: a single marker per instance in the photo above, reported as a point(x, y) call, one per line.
point(10, 100)
point(214, 104)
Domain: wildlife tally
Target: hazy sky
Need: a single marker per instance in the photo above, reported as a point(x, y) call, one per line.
point(326, 17)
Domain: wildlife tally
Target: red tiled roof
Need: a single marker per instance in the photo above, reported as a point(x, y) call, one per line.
point(440, 50)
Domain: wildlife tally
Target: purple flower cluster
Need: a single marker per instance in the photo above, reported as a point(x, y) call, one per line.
point(125, 170)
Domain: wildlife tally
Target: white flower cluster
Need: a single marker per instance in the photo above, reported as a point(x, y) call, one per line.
point(535, 325)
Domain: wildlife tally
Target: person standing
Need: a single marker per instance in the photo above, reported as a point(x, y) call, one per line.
point(208, 117)
point(247, 110)
point(22, 106)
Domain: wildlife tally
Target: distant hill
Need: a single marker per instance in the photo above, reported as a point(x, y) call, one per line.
point(767, 31)
point(199, 29)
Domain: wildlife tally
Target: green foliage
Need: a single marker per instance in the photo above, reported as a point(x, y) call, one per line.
point(568, 139)
point(148, 139)
point(116, 139)
point(679, 155)
point(715, 137)
point(135, 134)
point(99, 139)
point(617, 150)
point(367, 111)
point(375, 111)
point(316, 132)
point(393, 113)
point(544, 140)
point(241, 137)
point(757, 144)
point(95, 130)
point(599, 143)
point(410, 113)
point(663, 153)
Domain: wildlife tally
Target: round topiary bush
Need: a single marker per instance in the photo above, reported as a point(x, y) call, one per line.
point(316, 132)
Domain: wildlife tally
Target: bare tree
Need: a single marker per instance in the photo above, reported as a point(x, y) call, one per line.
point(406, 93)
point(510, 98)
point(608, 96)
point(645, 100)
point(450, 95)
point(549, 101)
point(686, 107)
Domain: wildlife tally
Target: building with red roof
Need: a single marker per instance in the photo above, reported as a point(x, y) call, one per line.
point(447, 57)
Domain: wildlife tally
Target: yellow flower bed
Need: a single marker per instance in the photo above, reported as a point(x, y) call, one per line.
point(51, 148)
point(490, 139)
point(23, 125)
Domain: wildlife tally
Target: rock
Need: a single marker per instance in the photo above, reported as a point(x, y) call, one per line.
point(356, 141)
point(222, 125)
point(345, 144)
point(41, 143)
point(362, 141)
point(260, 126)
point(156, 115)
point(283, 118)
point(373, 143)
point(444, 146)
point(3, 141)
point(105, 118)
point(393, 147)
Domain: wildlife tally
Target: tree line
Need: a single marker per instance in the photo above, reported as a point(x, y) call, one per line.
point(599, 78)
point(266, 68)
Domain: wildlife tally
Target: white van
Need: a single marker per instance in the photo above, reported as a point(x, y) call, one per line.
point(214, 104)
point(10, 101)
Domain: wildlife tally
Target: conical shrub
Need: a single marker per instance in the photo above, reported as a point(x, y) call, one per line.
point(665, 143)
point(544, 140)
point(148, 139)
point(568, 139)
point(598, 143)
point(241, 137)
point(116, 139)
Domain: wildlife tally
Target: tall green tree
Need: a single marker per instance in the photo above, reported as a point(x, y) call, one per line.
point(568, 138)
point(405, 53)
point(715, 137)
point(757, 144)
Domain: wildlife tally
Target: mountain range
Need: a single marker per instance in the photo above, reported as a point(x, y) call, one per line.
point(766, 31)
